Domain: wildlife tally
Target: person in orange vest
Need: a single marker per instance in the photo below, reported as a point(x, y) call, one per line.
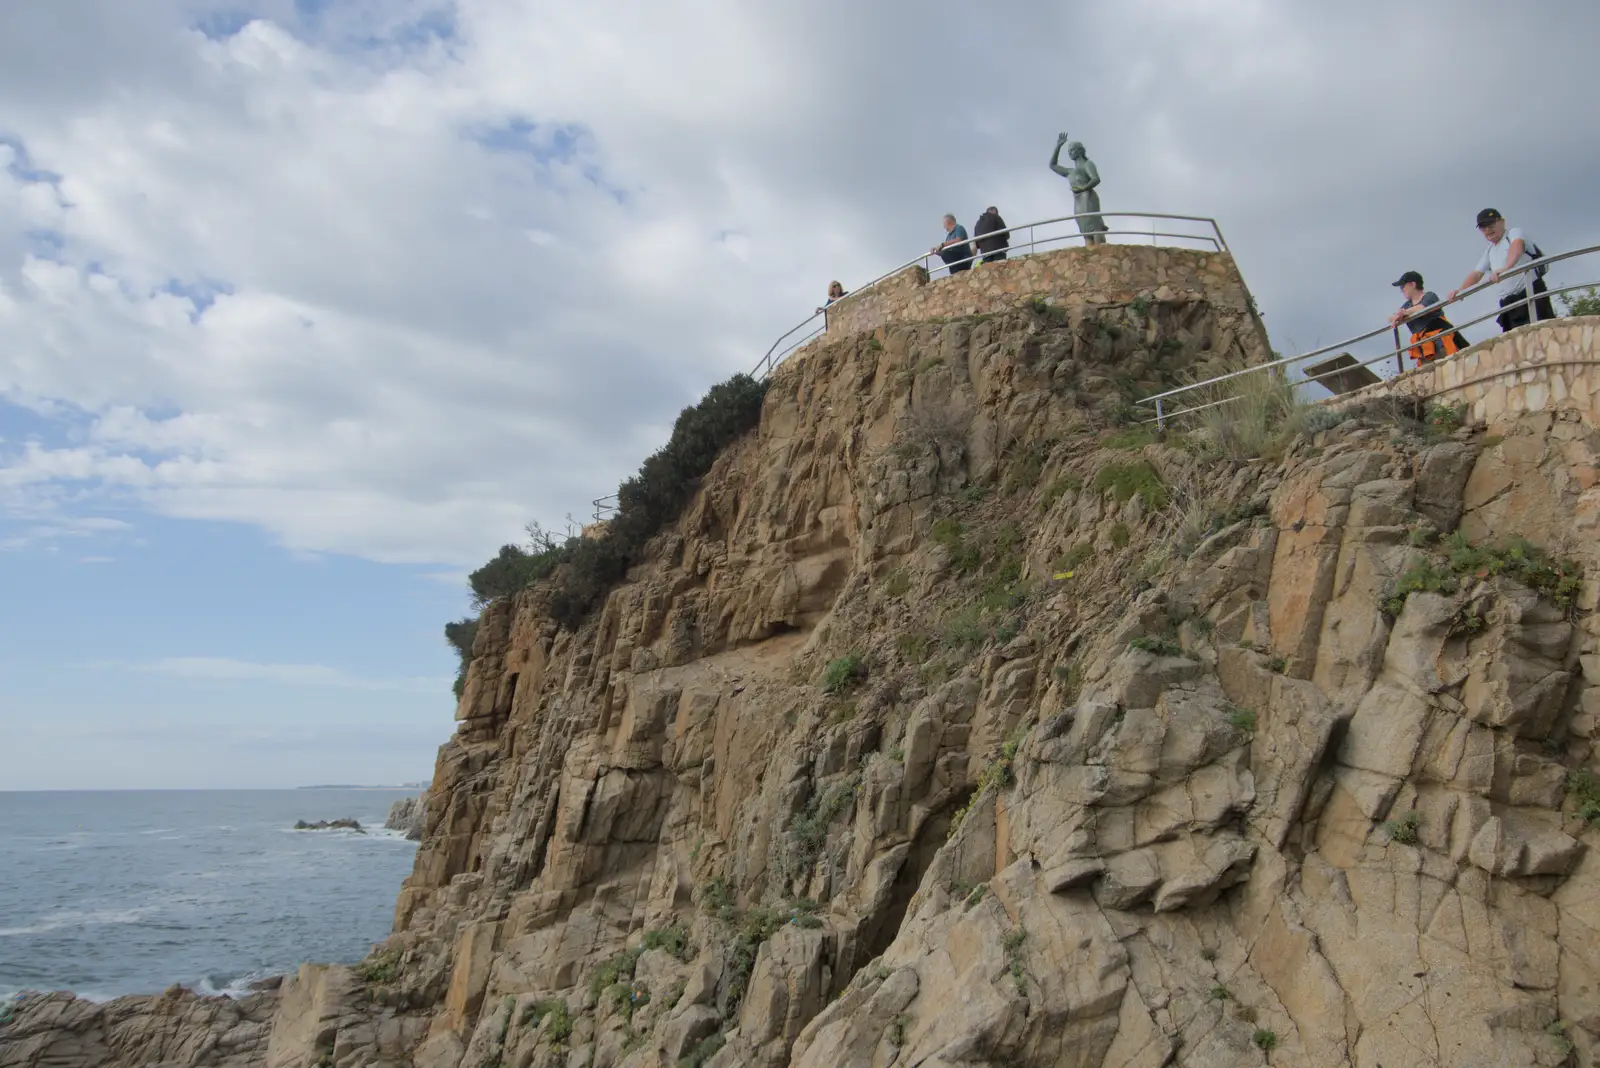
point(1432, 335)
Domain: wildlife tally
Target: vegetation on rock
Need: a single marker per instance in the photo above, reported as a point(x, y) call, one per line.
point(583, 570)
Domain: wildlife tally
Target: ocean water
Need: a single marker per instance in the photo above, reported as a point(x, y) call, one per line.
point(128, 892)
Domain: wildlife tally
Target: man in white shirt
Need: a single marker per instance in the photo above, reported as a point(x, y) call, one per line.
point(1508, 249)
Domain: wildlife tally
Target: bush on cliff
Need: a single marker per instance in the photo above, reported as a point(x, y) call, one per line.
point(461, 635)
point(515, 568)
point(583, 570)
point(654, 497)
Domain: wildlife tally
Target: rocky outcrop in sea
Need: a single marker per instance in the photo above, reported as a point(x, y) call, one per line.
point(346, 824)
point(406, 815)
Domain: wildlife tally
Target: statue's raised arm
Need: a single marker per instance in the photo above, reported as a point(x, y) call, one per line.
point(1055, 158)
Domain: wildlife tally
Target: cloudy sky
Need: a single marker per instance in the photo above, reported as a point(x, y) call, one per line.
point(308, 305)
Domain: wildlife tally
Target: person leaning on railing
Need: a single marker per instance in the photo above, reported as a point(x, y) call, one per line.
point(835, 292)
point(954, 250)
point(1432, 335)
point(1508, 250)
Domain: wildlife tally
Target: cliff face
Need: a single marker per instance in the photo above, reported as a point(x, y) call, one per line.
point(1288, 823)
point(952, 725)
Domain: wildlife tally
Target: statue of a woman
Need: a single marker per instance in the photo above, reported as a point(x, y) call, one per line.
point(1084, 177)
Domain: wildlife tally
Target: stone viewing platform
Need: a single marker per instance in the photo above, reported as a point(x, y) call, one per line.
point(1542, 367)
point(1097, 275)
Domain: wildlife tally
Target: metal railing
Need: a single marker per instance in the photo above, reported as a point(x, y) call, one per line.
point(1056, 232)
point(1197, 391)
point(1040, 234)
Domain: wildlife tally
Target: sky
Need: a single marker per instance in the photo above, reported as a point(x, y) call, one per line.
point(306, 306)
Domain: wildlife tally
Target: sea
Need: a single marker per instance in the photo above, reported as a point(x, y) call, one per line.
point(128, 892)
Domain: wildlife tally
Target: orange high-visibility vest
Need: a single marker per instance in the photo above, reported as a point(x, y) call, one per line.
point(1432, 344)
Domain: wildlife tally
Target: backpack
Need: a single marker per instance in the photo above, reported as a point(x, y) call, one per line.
point(1534, 254)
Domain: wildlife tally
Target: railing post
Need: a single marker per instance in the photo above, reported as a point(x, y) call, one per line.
point(1533, 305)
point(1161, 416)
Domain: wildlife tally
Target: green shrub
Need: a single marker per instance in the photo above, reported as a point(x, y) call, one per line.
point(1013, 943)
point(843, 674)
point(619, 969)
point(1243, 719)
point(1075, 557)
point(898, 583)
point(1025, 472)
point(1057, 489)
point(809, 830)
point(555, 1010)
point(1158, 646)
point(516, 568)
point(1120, 536)
point(1585, 302)
point(952, 535)
point(709, 1047)
point(1221, 993)
point(913, 646)
point(1520, 559)
point(674, 938)
point(381, 967)
point(965, 628)
point(1442, 420)
point(1134, 479)
point(1265, 1040)
point(585, 569)
point(1139, 305)
point(1134, 437)
point(653, 498)
point(1041, 307)
point(1277, 665)
point(716, 898)
point(461, 634)
point(1424, 576)
point(1402, 830)
point(1584, 789)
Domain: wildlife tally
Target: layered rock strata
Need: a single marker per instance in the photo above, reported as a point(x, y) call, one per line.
point(955, 724)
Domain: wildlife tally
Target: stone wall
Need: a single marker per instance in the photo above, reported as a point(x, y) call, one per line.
point(1548, 366)
point(1103, 274)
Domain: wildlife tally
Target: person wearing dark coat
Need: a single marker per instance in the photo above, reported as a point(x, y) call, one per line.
point(993, 246)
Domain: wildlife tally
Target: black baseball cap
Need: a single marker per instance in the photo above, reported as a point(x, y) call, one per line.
point(1487, 216)
point(1409, 276)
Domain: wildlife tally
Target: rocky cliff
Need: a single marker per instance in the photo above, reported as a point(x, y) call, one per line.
point(407, 815)
point(955, 724)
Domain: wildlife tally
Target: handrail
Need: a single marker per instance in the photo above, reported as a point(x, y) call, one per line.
point(1529, 297)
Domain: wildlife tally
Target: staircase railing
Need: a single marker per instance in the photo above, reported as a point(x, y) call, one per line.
point(1162, 404)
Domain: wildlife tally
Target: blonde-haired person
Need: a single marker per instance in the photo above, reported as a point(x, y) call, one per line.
point(835, 292)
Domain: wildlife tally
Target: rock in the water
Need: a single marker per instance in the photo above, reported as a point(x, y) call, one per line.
point(406, 815)
point(331, 825)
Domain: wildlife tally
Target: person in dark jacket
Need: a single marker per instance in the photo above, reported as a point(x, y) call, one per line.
point(993, 247)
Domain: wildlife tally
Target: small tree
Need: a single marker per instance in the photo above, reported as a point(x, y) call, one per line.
point(1586, 302)
point(461, 634)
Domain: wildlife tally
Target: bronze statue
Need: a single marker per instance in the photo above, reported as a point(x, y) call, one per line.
point(1084, 177)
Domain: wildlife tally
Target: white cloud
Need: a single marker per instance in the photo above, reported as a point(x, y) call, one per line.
point(317, 675)
point(389, 293)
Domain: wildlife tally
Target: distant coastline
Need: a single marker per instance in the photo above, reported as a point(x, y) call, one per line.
point(352, 786)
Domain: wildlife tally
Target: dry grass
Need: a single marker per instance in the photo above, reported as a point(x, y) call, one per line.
point(1263, 414)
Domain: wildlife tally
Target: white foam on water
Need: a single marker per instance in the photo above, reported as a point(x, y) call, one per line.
point(238, 987)
point(94, 918)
